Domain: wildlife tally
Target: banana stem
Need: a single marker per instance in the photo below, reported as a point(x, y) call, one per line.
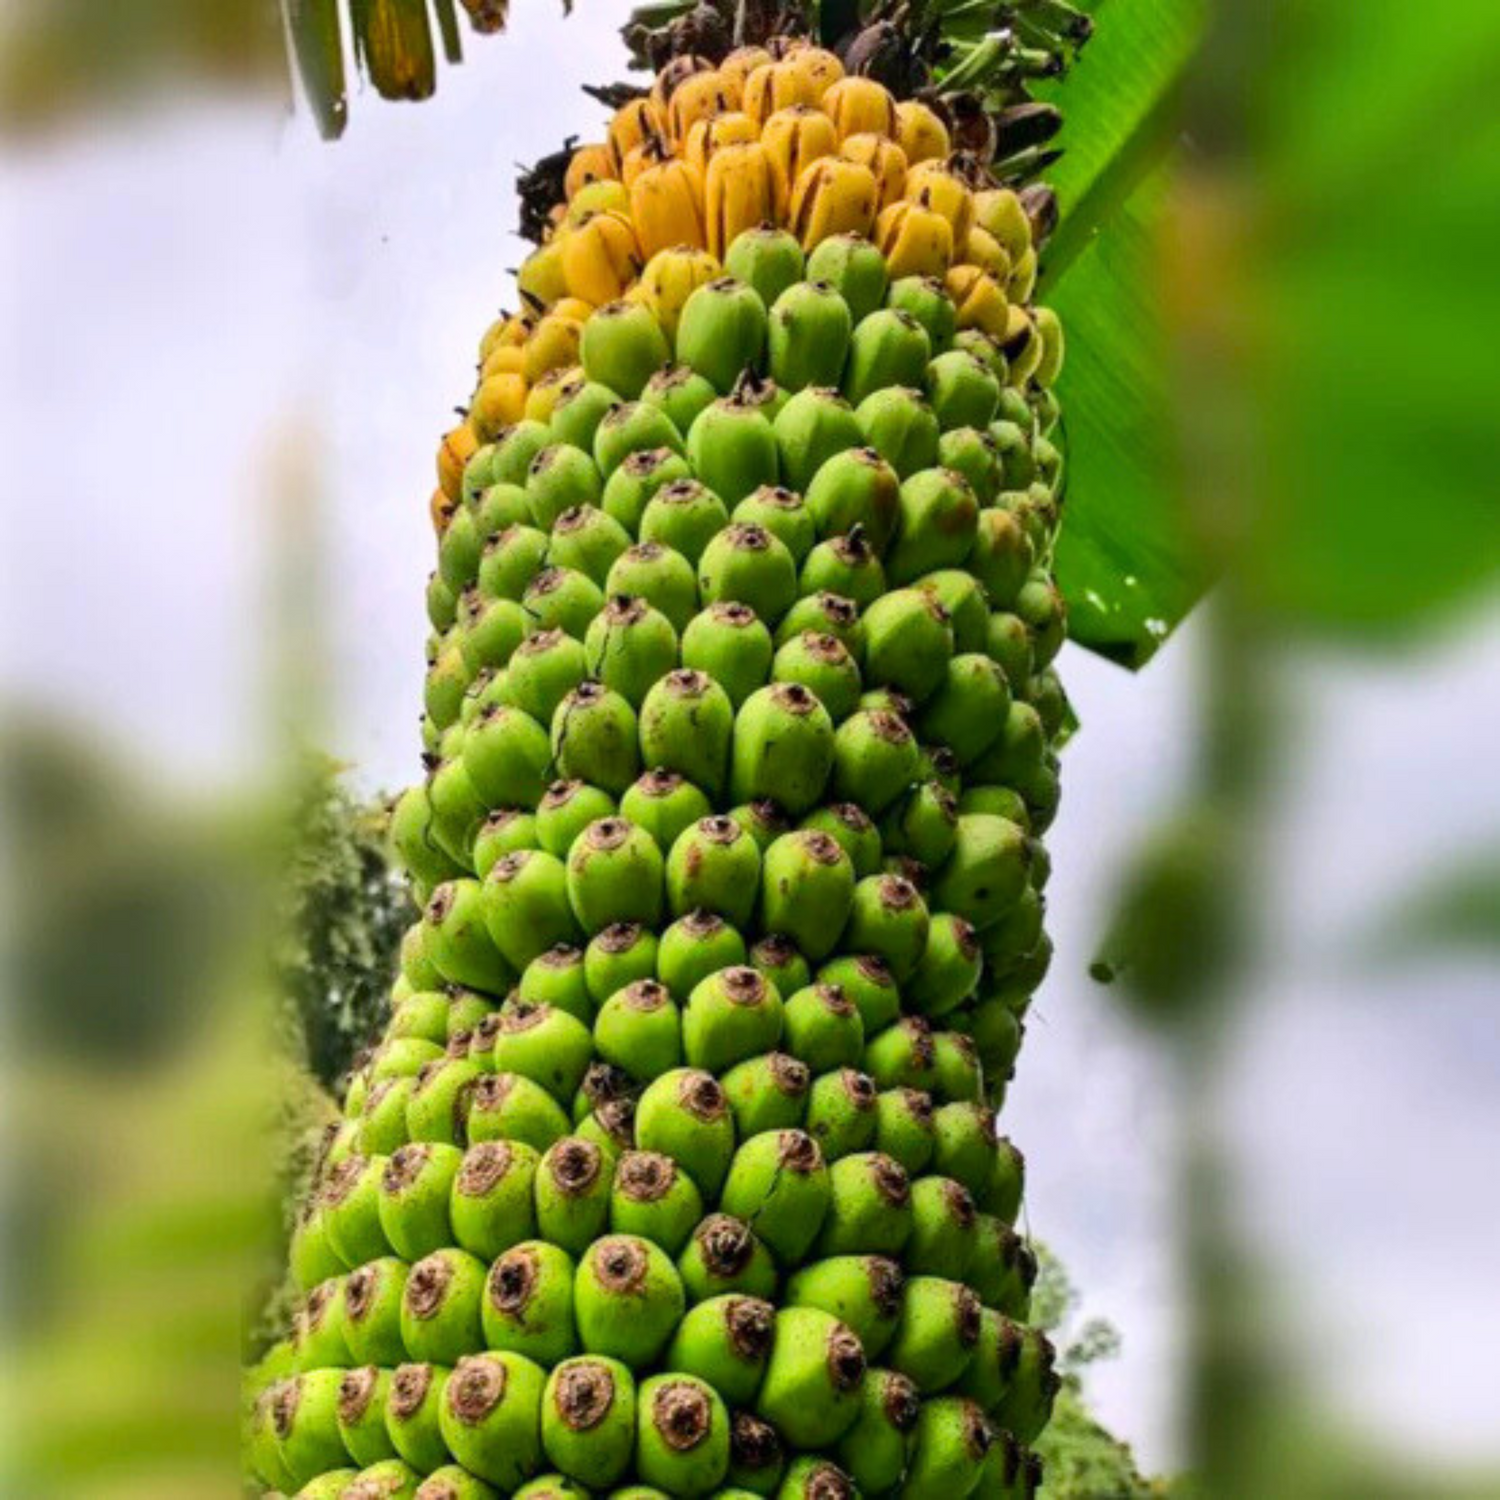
point(979, 62)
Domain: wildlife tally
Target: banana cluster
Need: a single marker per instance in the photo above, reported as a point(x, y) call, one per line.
point(676, 1172)
point(789, 141)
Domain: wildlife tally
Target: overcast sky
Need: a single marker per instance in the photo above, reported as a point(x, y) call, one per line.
point(185, 296)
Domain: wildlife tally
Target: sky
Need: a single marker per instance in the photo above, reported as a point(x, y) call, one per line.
point(196, 300)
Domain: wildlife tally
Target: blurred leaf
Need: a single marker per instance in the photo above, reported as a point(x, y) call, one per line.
point(318, 46)
point(1377, 301)
point(1458, 910)
point(1120, 103)
point(396, 42)
point(1174, 923)
point(1125, 558)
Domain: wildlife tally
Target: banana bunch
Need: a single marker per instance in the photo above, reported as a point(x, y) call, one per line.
point(711, 151)
point(677, 1172)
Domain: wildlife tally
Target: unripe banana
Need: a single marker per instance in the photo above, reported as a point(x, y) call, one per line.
point(920, 132)
point(607, 195)
point(670, 278)
point(738, 193)
point(915, 241)
point(932, 184)
point(601, 257)
point(860, 106)
point(633, 123)
point(542, 279)
point(793, 139)
point(832, 196)
point(885, 159)
point(595, 162)
point(666, 207)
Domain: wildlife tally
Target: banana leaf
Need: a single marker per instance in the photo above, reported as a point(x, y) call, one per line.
point(317, 40)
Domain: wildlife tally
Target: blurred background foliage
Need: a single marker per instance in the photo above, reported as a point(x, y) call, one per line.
point(345, 911)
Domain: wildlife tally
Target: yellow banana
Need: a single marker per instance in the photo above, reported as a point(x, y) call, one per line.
point(572, 307)
point(1022, 282)
point(666, 207)
point(554, 346)
point(670, 278)
point(982, 249)
point(793, 138)
point(700, 97)
point(541, 277)
point(819, 68)
point(546, 393)
point(497, 403)
point(454, 452)
point(739, 65)
point(673, 76)
point(651, 152)
point(921, 132)
point(591, 163)
point(504, 359)
point(609, 195)
point(915, 241)
point(935, 185)
point(860, 106)
point(886, 161)
point(979, 300)
point(1049, 331)
point(601, 258)
point(774, 86)
point(832, 196)
point(632, 124)
point(998, 211)
point(708, 136)
point(1022, 345)
point(738, 194)
point(440, 509)
point(507, 329)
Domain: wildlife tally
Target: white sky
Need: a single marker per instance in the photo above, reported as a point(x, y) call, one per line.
point(180, 295)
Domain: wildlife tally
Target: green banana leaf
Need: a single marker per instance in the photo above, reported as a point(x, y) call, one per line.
point(1372, 512)
point(317, 39)
point(1126, 561)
